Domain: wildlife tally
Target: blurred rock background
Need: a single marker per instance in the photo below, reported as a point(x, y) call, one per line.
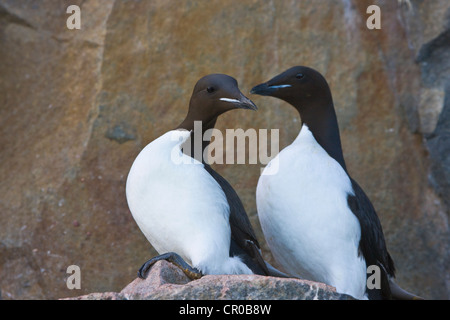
point(77, 106)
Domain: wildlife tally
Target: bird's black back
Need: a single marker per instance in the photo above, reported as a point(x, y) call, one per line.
point(372, 245)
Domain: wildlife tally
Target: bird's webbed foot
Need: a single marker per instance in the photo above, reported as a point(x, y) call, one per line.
point(173, 258)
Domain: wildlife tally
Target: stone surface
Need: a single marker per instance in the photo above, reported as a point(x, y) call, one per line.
point(77, 106)
point(167, 282)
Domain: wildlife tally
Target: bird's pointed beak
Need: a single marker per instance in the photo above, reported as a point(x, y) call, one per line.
point(242, 102)
point(262, 89)
point(266, 89)
point(246, 103)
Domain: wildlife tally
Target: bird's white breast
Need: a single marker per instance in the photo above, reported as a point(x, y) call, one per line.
point(305, 218)
point(177, 204)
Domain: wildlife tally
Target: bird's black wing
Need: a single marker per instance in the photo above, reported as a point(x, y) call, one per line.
point(372, 244)
point(243, 239)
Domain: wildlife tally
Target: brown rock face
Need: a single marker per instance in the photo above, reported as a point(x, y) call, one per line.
point(77, 106)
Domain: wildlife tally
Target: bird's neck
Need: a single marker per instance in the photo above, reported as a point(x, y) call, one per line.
point(322, 122)
point(196, 141)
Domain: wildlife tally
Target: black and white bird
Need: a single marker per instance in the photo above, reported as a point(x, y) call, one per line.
point(317, 221)
point(187, 211)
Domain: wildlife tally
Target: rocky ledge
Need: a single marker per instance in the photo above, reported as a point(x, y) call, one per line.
point(167, 282)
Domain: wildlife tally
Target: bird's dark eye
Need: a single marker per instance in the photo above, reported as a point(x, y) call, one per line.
point(299, 76)
point(210, 89)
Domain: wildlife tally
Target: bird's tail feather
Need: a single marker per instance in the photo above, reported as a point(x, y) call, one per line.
point(399, 293)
